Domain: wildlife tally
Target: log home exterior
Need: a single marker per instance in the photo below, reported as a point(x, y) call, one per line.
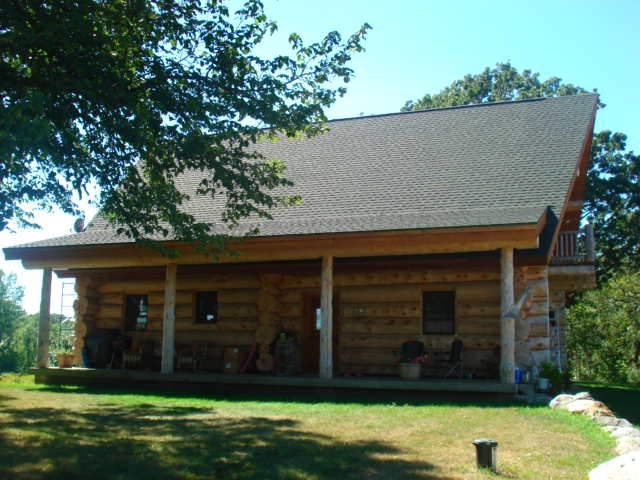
point(433, 225)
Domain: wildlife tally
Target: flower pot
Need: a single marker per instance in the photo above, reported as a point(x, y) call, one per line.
point(543, 384)
point(65, 360)
point(410, 371)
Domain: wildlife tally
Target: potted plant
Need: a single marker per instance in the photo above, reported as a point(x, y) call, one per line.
point(411, 368)
point(413, 356)
point(549, 377)
point(65, 357)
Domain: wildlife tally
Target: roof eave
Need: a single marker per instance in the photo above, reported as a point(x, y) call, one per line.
point(286, 248)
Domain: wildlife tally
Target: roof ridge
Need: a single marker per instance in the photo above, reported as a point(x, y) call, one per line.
point(460, 107)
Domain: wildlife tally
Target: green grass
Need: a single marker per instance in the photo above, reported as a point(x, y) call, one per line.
point(624, 400)
point(87, 433)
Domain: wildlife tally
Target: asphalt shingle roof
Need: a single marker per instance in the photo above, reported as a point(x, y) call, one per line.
point(472, 166)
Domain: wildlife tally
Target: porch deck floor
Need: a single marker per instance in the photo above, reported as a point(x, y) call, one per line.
point(87, 376)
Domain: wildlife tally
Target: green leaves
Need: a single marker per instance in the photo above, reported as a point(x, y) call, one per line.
point(613, 203)
point(10, 314)
point(90, 89)
point(502, 83)
point(603, 333)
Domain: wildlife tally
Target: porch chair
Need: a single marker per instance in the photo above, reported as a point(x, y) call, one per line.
point(192, 355)
point(455, 358)
point(148, 358)
point(186, 357)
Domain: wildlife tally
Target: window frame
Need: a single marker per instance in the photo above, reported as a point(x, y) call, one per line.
point(447, 313)
point(201, 305)
point(133, 314)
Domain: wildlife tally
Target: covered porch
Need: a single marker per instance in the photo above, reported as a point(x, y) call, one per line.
point(350, 312)
point(365, 309)
point(224, 382)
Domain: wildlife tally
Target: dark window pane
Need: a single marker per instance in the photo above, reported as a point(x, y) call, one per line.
point(438, 312)
point(206, 310)
point(135, 312)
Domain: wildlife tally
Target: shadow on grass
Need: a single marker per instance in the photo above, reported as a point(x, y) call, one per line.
point(624, 401)
point(147, 441)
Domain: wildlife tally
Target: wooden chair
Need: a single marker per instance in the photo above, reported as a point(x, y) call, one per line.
point(131, 360)
point(455, 358)
point(148, 358)
point(191, 356)
point(186, 358)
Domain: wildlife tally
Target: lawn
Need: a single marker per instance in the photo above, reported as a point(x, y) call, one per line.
point(81, 433)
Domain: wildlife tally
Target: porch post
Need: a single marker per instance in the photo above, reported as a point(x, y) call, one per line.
point(590, 243)
point(169, 321)
point(42, 359)
point(507, 322)
point(326, 320)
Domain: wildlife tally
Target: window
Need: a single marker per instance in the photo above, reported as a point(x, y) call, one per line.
point(438, 312)
point(135, 312)
point(206, 310)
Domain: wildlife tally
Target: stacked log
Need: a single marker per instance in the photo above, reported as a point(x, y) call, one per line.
point(85, 308)
point(532, 328)
point(268, 306)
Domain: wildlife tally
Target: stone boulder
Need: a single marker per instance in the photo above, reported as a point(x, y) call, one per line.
point(624, 467)
point(581, 403)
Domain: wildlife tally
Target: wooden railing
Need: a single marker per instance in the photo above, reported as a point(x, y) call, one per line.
point(575, 247)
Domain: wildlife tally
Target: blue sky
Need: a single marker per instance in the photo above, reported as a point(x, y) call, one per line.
point(421, 46)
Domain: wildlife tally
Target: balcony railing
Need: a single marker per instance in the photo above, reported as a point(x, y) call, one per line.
point(575, 247)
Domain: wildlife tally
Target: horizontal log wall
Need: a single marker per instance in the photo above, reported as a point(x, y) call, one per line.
point(237, 308)
point(375, 310)
point(381, 310)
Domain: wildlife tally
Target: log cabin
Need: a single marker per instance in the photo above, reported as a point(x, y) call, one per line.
point(428, 226)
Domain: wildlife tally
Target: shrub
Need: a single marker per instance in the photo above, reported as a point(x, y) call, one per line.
point(603, 332)
point(553, 373)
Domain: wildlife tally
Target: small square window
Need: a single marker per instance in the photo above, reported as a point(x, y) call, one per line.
point(438, 312)
point(206, 310)
point(136, 312)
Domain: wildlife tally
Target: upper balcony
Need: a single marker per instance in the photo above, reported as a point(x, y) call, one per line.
point(575, 247)
point(572, 263)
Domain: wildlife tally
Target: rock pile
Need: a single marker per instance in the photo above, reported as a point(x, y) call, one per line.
point(627, 464)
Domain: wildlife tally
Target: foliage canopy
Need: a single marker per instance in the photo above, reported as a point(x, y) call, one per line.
point(89, 90)
point(603, 333)
point(10, 314)
point(500, 84)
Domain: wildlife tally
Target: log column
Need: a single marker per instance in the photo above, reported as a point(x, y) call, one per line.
point(507, 321)
point(169, 320)
point(44, 325)
point(326, 319)
point(590, 243)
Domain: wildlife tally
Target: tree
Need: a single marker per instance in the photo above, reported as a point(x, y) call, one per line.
point(500, 84)
point(10, 313)
point(128, 95)
point(613, 204)
point(613, 191)
point(19, 331)
point(603, 333)
point(23, 345)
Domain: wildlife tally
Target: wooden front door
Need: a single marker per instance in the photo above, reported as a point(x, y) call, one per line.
point(310, 341)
